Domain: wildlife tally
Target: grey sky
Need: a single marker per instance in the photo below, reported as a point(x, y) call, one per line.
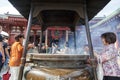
point(5, 7)
point(109, 8)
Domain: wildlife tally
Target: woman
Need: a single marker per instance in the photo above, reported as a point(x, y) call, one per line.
point(108, 57)
point(15, 56)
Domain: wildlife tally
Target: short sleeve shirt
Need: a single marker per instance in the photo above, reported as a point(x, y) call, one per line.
point(16, 54)
point(109, 59)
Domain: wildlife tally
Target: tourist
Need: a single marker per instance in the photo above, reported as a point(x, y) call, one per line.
point(2, 56)
point(108, 57)
point(15, 56)
point(6, 52)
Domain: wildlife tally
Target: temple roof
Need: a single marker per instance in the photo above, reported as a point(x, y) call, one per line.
point(59, 12)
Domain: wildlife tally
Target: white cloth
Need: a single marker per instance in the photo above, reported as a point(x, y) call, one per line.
point(54, 48)
point(4, 33)
point(14, 71)
point(99, 70)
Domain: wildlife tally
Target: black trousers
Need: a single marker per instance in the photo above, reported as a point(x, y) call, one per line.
point(111, 78)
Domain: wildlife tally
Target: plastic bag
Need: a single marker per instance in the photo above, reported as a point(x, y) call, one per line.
point(99, 70)
point(6, 76)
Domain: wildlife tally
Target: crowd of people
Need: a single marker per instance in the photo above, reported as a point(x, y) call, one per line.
point(12, 57)
point(4, 54)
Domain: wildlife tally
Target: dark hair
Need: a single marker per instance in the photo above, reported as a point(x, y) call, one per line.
point(18, 36)
point(5, 37)
point(109, 37)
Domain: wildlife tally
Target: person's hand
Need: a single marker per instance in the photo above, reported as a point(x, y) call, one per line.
point(95, 54)
point(92, 61)
point(30, 46)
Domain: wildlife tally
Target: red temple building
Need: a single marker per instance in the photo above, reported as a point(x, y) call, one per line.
point(13, 24)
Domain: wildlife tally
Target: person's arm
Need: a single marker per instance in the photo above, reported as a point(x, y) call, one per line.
point(2, 52)
point(30, 46)
point(6, 50)
point(106, 56)
point(20, 50)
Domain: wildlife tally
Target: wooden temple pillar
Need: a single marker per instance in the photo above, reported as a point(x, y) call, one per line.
point(46, 39)
point(34, 36)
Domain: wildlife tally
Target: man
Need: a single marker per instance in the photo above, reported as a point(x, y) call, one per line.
point(6, 52)
point(15, 56)
point(2, 55)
